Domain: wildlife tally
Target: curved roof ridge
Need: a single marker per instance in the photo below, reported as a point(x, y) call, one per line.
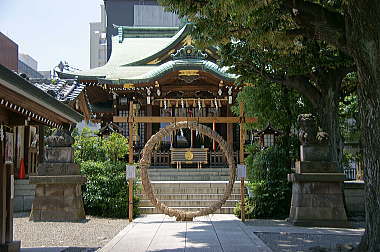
point(174, 65)
point(133, 57)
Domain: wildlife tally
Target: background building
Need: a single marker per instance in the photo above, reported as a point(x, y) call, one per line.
point(98, 41)
point(135, 13)
point(28, 60)
point(46, 74)
point(8, 53)
point(27, 65)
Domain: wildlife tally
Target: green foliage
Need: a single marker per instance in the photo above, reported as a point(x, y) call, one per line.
point(106, 191)
point(89, 146)
point(115, 146)
point(267, 171)
point(272, 103)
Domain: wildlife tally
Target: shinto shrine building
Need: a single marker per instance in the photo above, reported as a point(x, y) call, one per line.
point(157, 76)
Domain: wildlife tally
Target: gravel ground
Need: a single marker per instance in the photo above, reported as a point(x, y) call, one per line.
point(92, 233)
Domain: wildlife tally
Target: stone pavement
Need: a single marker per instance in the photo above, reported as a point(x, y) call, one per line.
point(281, 236)
point(157, 232)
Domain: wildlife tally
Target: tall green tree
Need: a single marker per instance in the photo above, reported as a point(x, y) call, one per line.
point(349, 26)
point(261, 43)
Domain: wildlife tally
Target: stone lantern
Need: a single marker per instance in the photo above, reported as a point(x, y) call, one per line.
point(58, 182)
point(317, 198)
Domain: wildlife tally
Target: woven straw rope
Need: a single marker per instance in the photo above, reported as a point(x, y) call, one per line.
point(146, 160)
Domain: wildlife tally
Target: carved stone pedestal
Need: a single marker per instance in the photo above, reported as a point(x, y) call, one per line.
point(58, 187)
point(317, 198)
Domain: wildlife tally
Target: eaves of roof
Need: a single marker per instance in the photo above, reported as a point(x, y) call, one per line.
point(152, 73)
point(21, 86)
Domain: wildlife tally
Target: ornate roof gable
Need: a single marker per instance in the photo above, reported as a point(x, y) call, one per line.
point(189, 52)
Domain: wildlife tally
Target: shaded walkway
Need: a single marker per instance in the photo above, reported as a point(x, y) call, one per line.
point(157, 232)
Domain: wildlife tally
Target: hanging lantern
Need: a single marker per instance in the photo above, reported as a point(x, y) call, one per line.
point(268, 136)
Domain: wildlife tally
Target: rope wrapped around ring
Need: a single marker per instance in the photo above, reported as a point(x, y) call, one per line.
point(146, 160)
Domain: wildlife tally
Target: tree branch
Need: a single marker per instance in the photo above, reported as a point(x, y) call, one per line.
point(317, 22)
point(302, 84)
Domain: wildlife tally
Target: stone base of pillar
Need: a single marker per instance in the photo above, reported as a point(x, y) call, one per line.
point(58, 186)
point(13, 246)
point(317, 200)
point(58, 198)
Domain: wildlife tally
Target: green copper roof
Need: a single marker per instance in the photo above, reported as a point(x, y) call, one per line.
point(142, 74)
point(157, 72)
point(130, 58)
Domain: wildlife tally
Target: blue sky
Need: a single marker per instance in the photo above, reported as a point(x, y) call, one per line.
point(51, 30)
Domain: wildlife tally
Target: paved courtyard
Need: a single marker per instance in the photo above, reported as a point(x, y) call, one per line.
point(157, 232)
point(225, 232)
point(219, 232)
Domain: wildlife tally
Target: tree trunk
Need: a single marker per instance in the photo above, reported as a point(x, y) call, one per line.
point(363, 33)
point(328, 114)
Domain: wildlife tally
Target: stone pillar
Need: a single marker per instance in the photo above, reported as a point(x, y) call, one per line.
point(317, 198)
point(58, 183)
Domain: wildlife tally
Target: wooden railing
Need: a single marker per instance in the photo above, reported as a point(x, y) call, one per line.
point(161, 158)
point(32, 161)
point(181, 156)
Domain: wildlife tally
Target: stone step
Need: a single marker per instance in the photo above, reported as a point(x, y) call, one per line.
point(183, 170)
point(190, 178)
point(192, 184)
point(187, 187)
point(24, 195)
point(153, 210)
point(170, 187)
point(23, 188)
point(195, 173)
point(191, 196)
point(193, 190)
point(21, 181)
point(189, 203)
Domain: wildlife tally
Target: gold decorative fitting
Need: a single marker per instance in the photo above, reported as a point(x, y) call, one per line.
point(188, 73)
point(128, 85)
point(154, 62)
point(188, 40)
point(189, 155)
